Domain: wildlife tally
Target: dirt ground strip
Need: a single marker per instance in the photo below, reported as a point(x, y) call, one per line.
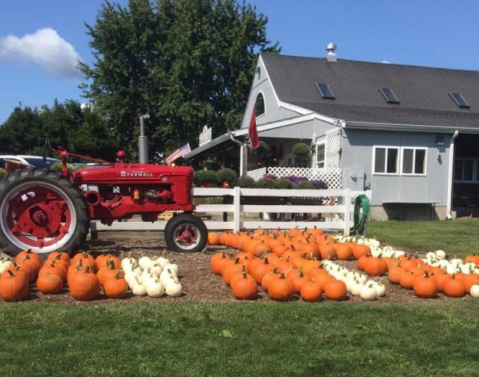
point(199, 282)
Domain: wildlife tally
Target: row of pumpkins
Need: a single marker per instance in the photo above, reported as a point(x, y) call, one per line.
point(305, 258)
point(86, 276)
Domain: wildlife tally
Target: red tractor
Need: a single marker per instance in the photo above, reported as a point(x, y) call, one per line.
point(46, 211)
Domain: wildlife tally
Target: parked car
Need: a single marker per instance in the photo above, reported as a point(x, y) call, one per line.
point(25, 160)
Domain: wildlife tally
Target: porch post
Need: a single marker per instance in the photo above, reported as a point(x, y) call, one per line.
point(243, 159)
point(450, 176)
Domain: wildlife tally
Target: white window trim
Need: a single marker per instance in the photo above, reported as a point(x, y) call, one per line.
point(386, 162)
point(413, 161)
point(320, 141)
point(264, 103)
point(475, 176)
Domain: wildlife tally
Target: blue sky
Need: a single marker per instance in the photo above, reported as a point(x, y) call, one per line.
point(40, 40)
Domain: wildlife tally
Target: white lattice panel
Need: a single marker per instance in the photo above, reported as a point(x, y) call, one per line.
point(333, 148)
point(257, 173)
point(331, 176)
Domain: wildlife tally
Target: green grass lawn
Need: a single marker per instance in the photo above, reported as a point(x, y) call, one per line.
point(251, 339)
point(458, 238)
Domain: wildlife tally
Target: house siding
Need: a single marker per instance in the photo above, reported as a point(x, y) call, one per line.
point(357, 157)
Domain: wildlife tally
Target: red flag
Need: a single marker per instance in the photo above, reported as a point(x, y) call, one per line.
point(253, 132)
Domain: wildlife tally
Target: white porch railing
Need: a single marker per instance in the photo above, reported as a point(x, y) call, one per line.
point(257, 173)
point(342, 218)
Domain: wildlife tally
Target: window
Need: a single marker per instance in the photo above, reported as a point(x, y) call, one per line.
point(259, 105)
point(320, 155)
point(414, 161)
point(386, 160)
point(466, 170)
point(460, 101)
point(325, 91)
point(389, 95)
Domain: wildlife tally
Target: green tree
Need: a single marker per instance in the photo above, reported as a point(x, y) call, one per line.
point(69, 125)
point(185, 62)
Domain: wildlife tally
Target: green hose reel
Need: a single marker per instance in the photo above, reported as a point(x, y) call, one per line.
point(362, 211)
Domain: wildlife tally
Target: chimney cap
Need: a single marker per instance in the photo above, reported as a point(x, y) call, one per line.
point(331, 47)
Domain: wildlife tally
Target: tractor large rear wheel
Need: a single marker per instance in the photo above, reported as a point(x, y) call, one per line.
point(43, 211)
point(186, 233)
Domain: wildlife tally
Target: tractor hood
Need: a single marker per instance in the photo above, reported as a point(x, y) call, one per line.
point(131, 173)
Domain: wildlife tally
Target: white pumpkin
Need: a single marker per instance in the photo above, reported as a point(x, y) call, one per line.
point(368, 293)
point(440, 254)
point(173, 289)
point(380, 289)
point(128, 264)
point(475, 291)
point(172, 267)
point(356, 288)
point(4, 265)
point(139, 289)
point(144, 262)
point(163, 261)
point(156, 267)
point(154, 288)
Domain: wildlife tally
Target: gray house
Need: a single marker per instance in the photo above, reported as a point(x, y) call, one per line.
point(408, 133)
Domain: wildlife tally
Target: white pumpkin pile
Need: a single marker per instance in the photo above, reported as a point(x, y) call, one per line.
point(374, 245)
point(356, 282)
point(452, 266)
point(4, 265)
point(152, 277)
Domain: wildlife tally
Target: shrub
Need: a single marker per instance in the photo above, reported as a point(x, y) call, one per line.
point(3, 173)
point(296, 180)
point(58, 166)
point(246, 182)
point(206, 177)
point(302, 150)
point(227, 175)
point(319, 184)
point(305, 185)
point(267, 182)
point(283, 184)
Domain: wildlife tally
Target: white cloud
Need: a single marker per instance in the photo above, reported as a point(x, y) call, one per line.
point(386, 62)
point(44, 47)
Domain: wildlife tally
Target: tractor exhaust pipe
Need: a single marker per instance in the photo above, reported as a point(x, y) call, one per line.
point(143, 141)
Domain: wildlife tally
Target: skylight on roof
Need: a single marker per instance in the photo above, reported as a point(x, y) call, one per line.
point(460, 101)
point(389, 95)
point(325, 91)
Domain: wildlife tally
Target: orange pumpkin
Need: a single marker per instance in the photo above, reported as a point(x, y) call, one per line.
point(454, 288)
point(425, 287)
point(361, 250)
point(116, 287)
point(311, 291)
point(244, 287)
point(49, 283)
point(336, 290)
point(217, 262)
point(13, 286)
point(281, 289)
point(84, 286)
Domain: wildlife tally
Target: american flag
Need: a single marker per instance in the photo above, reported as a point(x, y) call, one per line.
point(177, 153)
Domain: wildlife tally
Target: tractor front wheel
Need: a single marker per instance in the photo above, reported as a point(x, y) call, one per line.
point(43, 211)
point(186, 233)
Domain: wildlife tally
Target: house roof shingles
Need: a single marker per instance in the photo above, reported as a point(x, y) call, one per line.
point(423, 92)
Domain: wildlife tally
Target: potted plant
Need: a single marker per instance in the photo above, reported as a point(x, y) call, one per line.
point(206, 178)
point(302, 151)
point(227, 177)
point(246, 181)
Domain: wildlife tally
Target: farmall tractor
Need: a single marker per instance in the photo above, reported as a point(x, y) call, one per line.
point(47, 211)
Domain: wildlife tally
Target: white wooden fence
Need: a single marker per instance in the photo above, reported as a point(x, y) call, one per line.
point(337, 217)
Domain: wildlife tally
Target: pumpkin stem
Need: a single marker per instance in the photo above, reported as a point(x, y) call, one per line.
point(87, 269)
point(11, 273)
point(117, 275)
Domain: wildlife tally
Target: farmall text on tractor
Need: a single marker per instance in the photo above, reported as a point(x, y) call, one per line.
point(47, 211)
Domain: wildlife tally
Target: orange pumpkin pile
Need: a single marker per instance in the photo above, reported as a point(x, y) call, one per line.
point(84, 276)
point(288, 263)
point(283, 263)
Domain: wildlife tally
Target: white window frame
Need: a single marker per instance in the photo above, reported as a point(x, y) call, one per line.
point(398, 166)
point(264, 103)
point(414, 162)
point(475, 166)
point(320, 141)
